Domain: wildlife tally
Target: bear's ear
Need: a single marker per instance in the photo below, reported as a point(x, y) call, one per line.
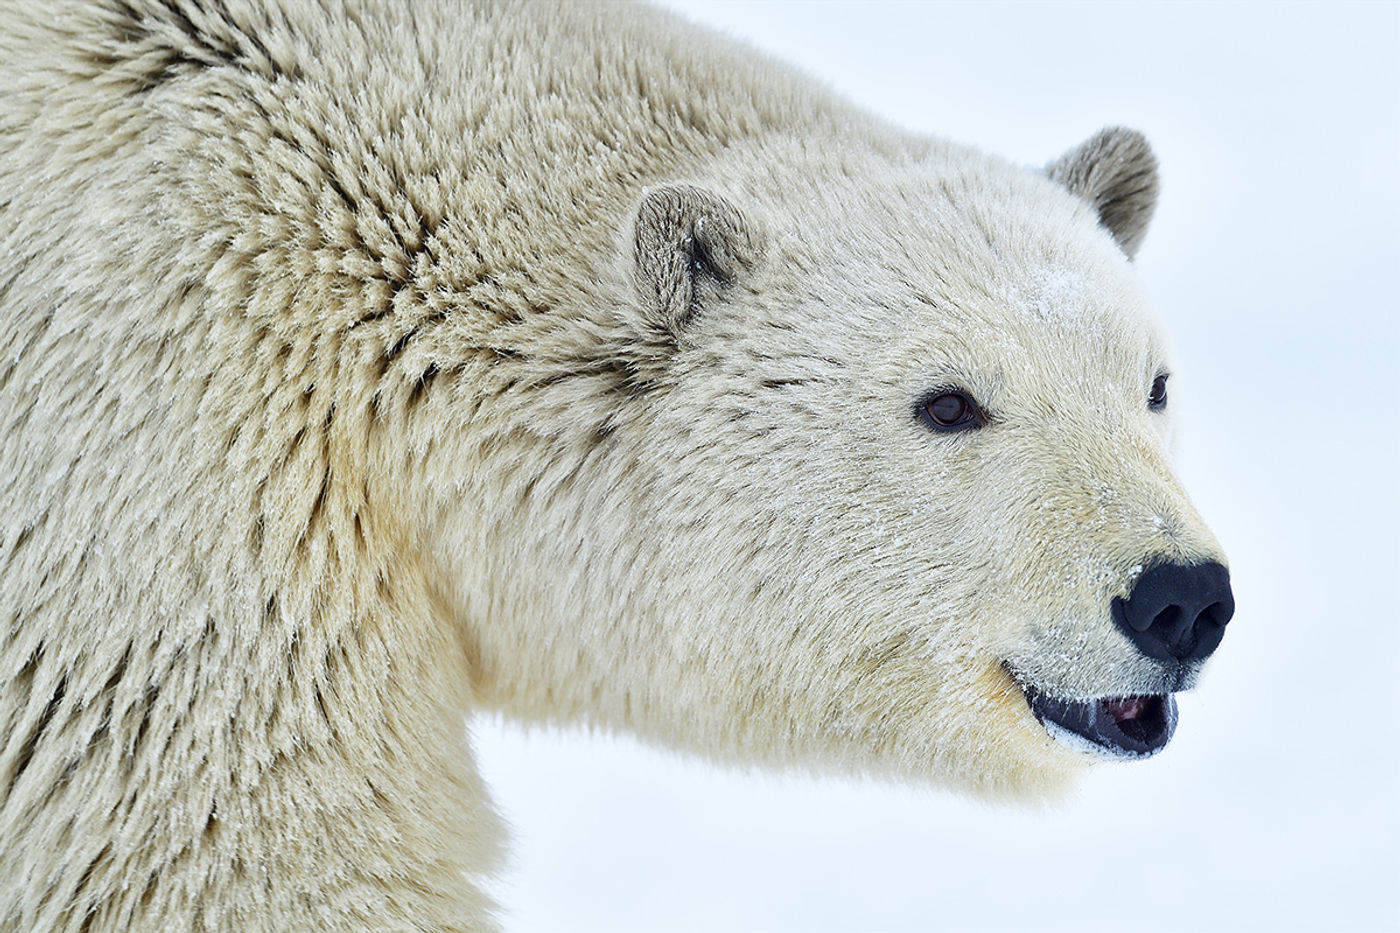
point(687, 239)
point(1116, 172)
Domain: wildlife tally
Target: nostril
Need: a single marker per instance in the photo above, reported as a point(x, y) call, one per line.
point(1169, 622)
point(1214, 614)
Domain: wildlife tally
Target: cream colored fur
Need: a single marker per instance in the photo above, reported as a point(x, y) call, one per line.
point(365, 365)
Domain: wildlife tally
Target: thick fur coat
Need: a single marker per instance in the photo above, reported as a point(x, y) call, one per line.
point(363, 365)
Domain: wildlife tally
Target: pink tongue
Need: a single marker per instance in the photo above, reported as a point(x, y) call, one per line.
point(1125, 708)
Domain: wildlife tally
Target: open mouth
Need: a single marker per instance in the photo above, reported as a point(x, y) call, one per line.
point(1115, 727)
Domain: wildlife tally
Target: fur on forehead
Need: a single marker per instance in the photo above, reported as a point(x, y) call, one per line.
point(950, 244)
point(967, 213)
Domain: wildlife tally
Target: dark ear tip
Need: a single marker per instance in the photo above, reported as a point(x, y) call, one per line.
point(1124, 140)
point(1131, 150)
point(701, 215)
point(1110, 152)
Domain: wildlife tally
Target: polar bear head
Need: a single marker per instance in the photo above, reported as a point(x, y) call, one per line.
point(880, 479)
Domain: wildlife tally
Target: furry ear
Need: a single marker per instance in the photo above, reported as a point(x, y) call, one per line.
point(687, 239)
point(1116, 172)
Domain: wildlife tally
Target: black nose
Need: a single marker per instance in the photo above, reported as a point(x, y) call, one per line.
point(1175, 612)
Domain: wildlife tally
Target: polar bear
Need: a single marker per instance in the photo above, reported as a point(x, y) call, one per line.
point(367, 365)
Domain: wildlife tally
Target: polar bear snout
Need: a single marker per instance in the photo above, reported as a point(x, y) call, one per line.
point(1177, 612)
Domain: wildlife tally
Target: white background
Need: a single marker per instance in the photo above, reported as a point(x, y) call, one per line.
point(1273, 261)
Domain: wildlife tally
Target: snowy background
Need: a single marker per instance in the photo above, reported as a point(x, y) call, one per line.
point(1273, 261)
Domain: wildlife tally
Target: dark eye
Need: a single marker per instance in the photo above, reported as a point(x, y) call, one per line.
point(950, 410)
point(1157, 398)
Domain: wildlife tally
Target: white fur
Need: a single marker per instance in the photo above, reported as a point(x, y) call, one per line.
point(331, 409)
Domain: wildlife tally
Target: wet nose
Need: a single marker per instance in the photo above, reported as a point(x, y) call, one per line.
point(1177, 612)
